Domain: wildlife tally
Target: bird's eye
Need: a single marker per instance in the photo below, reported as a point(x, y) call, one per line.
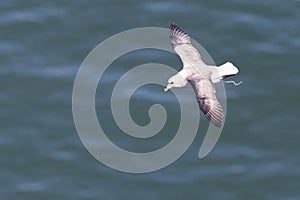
point(172, 82)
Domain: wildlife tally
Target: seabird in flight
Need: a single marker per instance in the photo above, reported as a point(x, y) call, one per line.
point(200, 75)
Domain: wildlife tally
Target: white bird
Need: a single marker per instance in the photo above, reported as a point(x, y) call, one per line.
point(199, 75)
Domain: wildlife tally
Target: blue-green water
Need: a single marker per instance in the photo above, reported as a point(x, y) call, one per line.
point(42, 44)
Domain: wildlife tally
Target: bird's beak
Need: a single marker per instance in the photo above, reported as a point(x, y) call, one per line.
point(167, 88)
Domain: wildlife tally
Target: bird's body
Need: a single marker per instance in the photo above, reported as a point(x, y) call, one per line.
point(199, 75)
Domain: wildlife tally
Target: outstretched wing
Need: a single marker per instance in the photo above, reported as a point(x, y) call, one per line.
point(201, 82)
point(181, 44)
point(207, 100)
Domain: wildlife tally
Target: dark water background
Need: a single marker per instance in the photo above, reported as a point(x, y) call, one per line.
point(42, 44)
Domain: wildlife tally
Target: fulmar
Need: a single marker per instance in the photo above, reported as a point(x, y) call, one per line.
point(200, 75)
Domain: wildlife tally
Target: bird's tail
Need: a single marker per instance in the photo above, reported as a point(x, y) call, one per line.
point(223, 71)
point(227, 69)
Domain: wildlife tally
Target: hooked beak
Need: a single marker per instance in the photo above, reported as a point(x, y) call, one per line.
point(167, 88)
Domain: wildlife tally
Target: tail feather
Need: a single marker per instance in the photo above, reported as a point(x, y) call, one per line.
point(223, 71)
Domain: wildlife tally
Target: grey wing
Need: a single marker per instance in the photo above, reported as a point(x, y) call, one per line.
point(208, 102)
point(181, 44)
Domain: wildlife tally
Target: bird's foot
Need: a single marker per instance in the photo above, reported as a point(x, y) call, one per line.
point(233, 82)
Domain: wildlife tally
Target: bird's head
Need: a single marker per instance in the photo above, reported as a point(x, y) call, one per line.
point(175, 81)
